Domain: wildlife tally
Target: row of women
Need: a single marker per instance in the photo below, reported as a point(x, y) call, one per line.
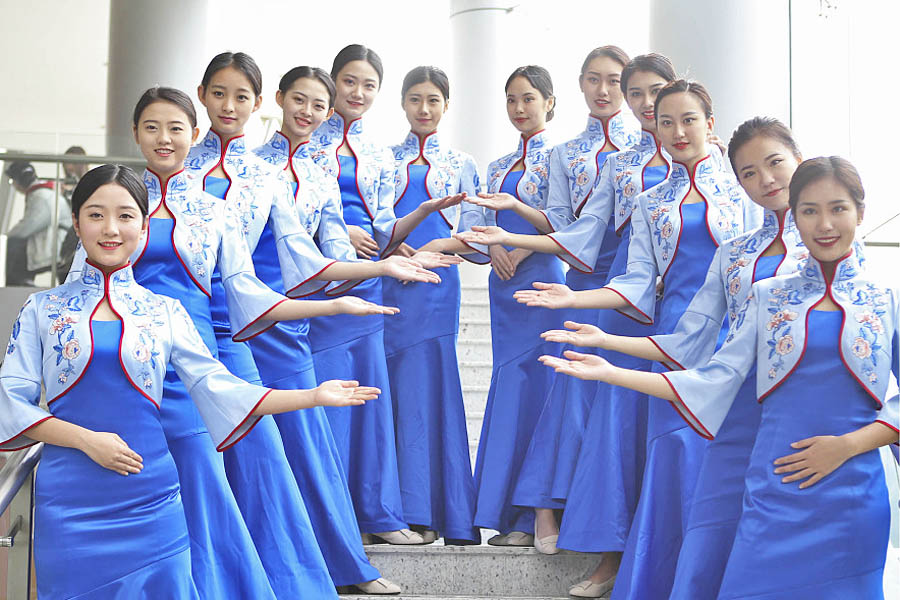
point(144, 388)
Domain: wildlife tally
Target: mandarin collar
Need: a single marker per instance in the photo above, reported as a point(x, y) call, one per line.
point(93, 277)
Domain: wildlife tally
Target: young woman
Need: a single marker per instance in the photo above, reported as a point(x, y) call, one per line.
point(306, 95)
point(104, 338)
point(676, 228)
point(518, 180)
point(764, 155)
point(825, 345)
point(432, 444)
point(365, 174)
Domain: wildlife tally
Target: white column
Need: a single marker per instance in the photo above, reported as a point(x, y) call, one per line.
point(162, 42)
point(739, 50)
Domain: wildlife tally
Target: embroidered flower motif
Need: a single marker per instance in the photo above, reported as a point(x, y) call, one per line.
point(141, 353)
point(62, 323)
point(785, 345)
point(582, 179)
point(872, 320)
point(873, 378)
point(148, 383)
point(861, 348)
point(629, 189)
point(530, 188)
point(772, 373)
point(667, 230)
point(780, 317)
point(71, 349)
point(734, 287)
point(63, 377)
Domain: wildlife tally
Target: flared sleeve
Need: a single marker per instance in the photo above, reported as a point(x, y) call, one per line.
point(384, 221)
point(889, 414)
point(332, 236)
point(694, 340)
point(20, 381)
point(706, 394)
point(580, 240)
point(559, 197)
point(637, 285)
point(225, 402)
point(248, 299)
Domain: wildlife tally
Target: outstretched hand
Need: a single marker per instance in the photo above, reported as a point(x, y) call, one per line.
point(497, 201)
point(483, 235)
point(436, 204)
point(547, 295)
point(351, 305)
point(435, 260)
point(819, 456)
point(408, 269)
point(111, 452)
point(336, 392)
point(582, 366)
point(577, 334)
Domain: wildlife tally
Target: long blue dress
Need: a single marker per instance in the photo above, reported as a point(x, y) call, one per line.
point(347, 346)
point(553, 449)
point(716, 506)
point(519, 383)
point(429, 416)
point(610, 462)
point(258, 469)
point(673, 451)
point(225, 562)
point(134, 526)
point(829, 540)
point(284, 359)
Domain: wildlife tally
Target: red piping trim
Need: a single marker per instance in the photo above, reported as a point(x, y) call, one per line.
point(291, 291)
point(586, 269)
point(631, 304)
point(238, 336)
point(702, 431)
point(666, 354)
point(224, 446)
point(221, 161)
point(475, 249)
point(781, 218)
point(885, 423)
point(681, 217)
point(35, 424)
point(356, 172)
point(342, 289)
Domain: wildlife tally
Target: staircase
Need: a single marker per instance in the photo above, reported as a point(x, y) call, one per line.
point(438, 572)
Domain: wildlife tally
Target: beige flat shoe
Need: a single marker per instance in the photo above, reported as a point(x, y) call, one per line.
point(547, 545)
point(589, 589)
point(380, 586)
point(401, 537)
point(513, 538)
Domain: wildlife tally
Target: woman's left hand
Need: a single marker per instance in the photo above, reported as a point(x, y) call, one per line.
point(351, 305)
point(819, 456)
point(434, 260)
point(436, 204)
point(497, 201)
point(577, 364)
point(408, 269)
point(343, 393)
point(487, 236)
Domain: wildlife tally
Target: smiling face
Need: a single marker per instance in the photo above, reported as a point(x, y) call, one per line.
point(764, 167)
point(229, 100)
point(357, 86)
point(826, 218)
point(110, 225)
point(600, 86)
point(643, 87)
point(526, 107)
point(683, 127)
point(424, 105)
point(164, 135)
point(304, 106)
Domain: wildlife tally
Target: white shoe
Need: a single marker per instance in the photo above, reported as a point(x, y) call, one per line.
point(547, 545)
point(380, 586)
point(401, 537)
point(589, 589)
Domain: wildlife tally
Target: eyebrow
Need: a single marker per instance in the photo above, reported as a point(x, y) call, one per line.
point(223, 88)
point(601, 75)
point(157, 121)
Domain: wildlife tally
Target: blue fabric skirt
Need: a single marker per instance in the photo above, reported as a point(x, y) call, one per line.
point(429, 416)
point(350, 347)
point(519, 386)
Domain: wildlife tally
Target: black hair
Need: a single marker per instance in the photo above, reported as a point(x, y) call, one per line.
point(240, 61)
point(761, 126)
point(165, 94)
point(613, 52)
point(423, 74)
point(814, 169)
point(22, 173)
point(75, 151)
point(99, 176)
point(288, 79)
point(539, 78)
point(688, 87)
point(650, 63)
point(357, 52)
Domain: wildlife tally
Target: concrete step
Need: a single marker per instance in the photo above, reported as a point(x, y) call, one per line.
point(475, 372)
point(482, 571)
point(474, 309)
point(478, 350)
point(432, 597)
point(475, 329)
point(474, 397)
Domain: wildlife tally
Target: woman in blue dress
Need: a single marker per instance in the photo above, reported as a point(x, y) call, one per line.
point(365, 174)
point(433, 462)
point(825, 345)
point(681, 220)
point(764, 156)
point(306, 95)
point(102, 338)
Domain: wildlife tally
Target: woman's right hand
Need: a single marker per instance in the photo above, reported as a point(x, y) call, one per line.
point(546, 295)
point(502, 264)
point(111, 452)
point(483, 235)
point(581, 334)
point(494, 201)
point(583, 366)
point(365, 244)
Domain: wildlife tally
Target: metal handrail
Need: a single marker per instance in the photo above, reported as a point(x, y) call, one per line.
point(15, 472)
point(131, 161)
